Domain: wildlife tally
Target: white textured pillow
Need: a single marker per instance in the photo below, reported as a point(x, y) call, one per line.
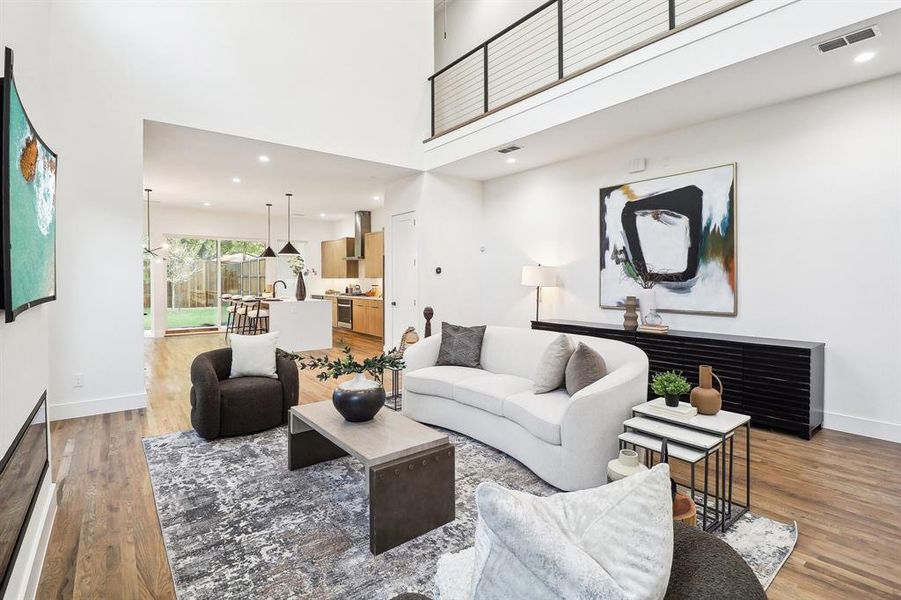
point(549, 375)
point(254, 355)
point(611, 542)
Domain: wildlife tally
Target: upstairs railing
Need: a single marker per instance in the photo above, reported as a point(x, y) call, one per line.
point(558, 40)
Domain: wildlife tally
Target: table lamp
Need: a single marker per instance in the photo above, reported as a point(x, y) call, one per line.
point(538, 277)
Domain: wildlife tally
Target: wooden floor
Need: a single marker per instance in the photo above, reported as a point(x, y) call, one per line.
point(843, 490)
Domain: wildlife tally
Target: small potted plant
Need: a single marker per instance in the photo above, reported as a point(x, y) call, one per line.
point(360, 398)
point(671, 385)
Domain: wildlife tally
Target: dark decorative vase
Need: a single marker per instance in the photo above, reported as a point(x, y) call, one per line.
point(672, 401)
point(359, 400)
point(300, 292)
point(630, 320)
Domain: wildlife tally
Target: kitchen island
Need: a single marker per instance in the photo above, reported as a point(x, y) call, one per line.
point(302, 325)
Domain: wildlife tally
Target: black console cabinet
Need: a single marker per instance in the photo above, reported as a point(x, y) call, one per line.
point(778, 382)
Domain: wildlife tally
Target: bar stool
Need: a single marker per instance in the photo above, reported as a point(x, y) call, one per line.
point(240, 315)
point(252, 315)
point(230, 316)
point(259, 318)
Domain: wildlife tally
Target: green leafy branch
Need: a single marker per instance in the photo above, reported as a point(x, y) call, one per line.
point(338, 367)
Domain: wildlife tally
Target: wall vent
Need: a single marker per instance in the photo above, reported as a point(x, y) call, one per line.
point(509, 149)
point(848, 39)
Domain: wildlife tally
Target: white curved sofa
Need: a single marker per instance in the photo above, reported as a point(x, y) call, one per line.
point(565, 440)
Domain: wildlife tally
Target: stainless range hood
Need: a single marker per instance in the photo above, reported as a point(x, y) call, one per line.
point(362, 226)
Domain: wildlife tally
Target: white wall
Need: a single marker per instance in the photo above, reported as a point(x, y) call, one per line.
point(25, 343)
point(448, 214)
point(347, 78)
point(24, 360)
point(818, 227)
point(468, 23)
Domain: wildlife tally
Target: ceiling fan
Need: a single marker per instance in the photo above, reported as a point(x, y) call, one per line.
point(147, 249)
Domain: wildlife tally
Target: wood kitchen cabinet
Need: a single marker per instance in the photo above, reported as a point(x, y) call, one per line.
point(374, 249)
point(368, 317)
point(334, 259)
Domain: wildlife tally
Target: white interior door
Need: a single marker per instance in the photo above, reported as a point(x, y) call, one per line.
point(404, 312)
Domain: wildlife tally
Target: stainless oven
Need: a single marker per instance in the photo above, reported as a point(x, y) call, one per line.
point(345, 313)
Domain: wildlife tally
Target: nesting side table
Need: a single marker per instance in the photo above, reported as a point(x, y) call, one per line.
point(701, 439)
point(393, 400)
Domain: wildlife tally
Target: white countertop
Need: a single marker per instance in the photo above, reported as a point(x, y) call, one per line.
point(351, 296)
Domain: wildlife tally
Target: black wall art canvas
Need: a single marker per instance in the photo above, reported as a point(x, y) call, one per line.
point(675, 234)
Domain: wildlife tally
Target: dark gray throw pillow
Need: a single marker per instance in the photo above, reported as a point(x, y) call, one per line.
point(585, 367)
point(461, 346)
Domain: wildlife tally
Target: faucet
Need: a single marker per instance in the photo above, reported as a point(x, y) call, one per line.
point(274, 295)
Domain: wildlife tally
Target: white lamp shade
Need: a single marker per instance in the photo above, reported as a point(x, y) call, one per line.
point(538, 276)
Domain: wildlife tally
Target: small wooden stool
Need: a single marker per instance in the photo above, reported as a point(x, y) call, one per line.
point(684, 509)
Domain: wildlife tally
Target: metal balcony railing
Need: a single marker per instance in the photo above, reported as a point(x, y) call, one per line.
point(557, 41)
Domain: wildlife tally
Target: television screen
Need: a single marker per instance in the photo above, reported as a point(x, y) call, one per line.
point(29, 207)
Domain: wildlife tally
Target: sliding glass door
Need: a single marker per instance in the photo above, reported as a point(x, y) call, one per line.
point(242, 272)
point(192, 272)
point(199, 271)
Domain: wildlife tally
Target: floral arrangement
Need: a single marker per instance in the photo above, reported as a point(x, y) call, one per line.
point(298, 267)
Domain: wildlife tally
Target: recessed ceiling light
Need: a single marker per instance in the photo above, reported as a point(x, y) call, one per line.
point(207, 204)
point(236, 180)
point(511, 160)
point(864, 57)
point(263, 158)
point(321, 214)
point(376, 198)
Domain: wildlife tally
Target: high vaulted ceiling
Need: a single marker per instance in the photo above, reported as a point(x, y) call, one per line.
point(193, 168)
point(792, 72)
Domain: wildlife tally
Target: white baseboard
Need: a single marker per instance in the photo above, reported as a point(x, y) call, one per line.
point(883, 430)
point(26, 573)
point(97, 406)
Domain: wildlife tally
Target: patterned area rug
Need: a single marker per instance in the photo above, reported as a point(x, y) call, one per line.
point(238, 524)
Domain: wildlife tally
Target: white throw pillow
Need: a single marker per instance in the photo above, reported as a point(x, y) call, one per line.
point(254, 355)
point(551, 369)
point(610, 542)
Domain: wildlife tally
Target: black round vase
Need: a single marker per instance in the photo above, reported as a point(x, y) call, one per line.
point(672, 400)
point(357, 406)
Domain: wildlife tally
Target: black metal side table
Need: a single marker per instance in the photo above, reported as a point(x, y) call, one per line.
point(394, 399)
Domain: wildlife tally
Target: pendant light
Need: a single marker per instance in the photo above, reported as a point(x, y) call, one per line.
point(289, 249)
point(147, 249)
point(268, 252)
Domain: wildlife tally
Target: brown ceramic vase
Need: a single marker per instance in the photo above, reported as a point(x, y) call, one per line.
point(707, 399)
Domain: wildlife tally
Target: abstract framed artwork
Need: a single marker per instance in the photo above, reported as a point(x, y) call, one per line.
point(676, 234)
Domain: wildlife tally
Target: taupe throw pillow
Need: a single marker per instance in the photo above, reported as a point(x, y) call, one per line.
point(461, 346)
point(585, 367)
point(551, 370)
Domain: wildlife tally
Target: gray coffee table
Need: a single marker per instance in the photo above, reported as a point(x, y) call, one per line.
point(409, 467)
